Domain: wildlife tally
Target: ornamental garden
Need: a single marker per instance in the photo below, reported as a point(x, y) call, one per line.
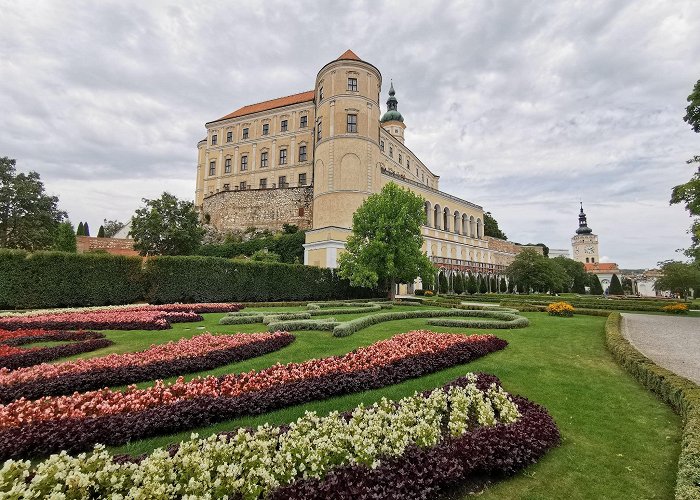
point(280, 381)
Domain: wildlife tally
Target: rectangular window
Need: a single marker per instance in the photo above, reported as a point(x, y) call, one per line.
point(283, 156)
point(227, 166)
point(263, 160)
point(229, 136)
point(283, 125)
point(243, 186)
point(263, 183)
point(400, 159)
point(391, 151)
point(352, 84)
point(245, 133)
point(302, 153)
point(352, 123)
point(283, 181)
point(212, 168)
point(381, 145)
point(213, 139)
point(244, 163)
point(302, 179)
point(318, 131)
point(227, 187)
point(304, 121)
point(408, 164)
point(266, 128)
point(320, 93)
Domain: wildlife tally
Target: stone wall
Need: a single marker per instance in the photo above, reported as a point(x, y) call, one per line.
point(508, 247)
point(115, 246)
point(260, 208)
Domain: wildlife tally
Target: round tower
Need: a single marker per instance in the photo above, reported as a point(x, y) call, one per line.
point(346, 140)
point(392, 121)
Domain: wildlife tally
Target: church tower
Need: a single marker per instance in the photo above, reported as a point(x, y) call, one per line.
point(585, 243)
point(392, 121)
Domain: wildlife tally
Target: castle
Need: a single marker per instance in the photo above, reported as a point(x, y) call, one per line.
point(312, 158)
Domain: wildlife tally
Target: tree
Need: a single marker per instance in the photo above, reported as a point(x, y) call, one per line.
point(532, 271)
point(472, 285)
point(65, 240)
point(692, 115)
point(289, 228)
point(443, 286)
point(491, 227)
point(81, 229)
point(615, 286)
point(101, 232)
point(678, 277)
point(627, 286)
point(483, 287)
point(86, 228)
point(596, 287)
point(29, 218)
point(166, 226)
point(112, 227)
point(493, 284)
point(458, 284)
point(576, 272)
point(503, 286)
point(385, 246)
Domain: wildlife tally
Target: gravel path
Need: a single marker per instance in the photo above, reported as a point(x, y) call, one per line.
point(671, 341)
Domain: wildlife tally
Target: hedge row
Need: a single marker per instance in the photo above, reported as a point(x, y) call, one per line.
point(60, 279)
point(682, 394)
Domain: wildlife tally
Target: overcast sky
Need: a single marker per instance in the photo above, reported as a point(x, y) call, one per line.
point(522, 107)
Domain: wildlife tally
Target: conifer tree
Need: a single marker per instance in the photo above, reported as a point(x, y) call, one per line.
point(596, 287)
point(494, 284)
point(483, 287)
point(472, 285)
point(503, 287)
point(459, 284)
point(81, 230)
point(444, 285)
point(86, 229)
point(615, 286)
point(101, 232)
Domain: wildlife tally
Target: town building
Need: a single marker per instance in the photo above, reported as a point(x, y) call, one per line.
point(585, 249)
point(313, 157)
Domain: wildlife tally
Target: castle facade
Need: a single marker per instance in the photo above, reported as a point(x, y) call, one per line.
point(312, 158)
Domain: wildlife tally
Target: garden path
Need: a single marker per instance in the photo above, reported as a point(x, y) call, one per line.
point(671, 341)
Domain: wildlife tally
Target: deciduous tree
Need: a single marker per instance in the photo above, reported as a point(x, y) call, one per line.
point(385, 246)
point(491, 227)
point(678, 277)
point(112, 227)
point(533, 271)
point(65, 240)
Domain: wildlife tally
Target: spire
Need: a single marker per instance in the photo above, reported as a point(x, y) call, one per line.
point(582, 223)
point(392, 104)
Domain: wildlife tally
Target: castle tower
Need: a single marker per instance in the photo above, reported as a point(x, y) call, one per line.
point(346, 138)
point(585, 243)
point(392, 121)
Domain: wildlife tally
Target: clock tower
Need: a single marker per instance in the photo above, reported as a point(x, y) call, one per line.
point(585, 243)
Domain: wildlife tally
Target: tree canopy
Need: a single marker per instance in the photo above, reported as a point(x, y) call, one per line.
point(385, 246)
point(29, 218)
point(111, 227)
point(491, 227)
point(65, 240)
point(166, 226)
point(678, 277)
point(692, 112)
point(531, 271)
point(576, 272)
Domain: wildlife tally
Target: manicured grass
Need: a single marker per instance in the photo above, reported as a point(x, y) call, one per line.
point(619, 441)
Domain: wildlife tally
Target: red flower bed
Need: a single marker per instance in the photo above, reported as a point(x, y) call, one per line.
point(204, 307)
point(199, 353)
point(114, 319)
point(78, 421)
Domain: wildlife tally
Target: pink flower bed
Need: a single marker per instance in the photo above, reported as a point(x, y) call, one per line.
point(100, 320)
point(204, 307)
point(194, 347)
point(108, 402)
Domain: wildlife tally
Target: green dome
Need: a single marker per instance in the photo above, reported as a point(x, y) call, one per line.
point(392, 113)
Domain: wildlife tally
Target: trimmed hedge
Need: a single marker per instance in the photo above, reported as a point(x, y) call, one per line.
point(248, 319)
point(62, 279)
point(521, 322)
point(324, 325)
point(682, 394)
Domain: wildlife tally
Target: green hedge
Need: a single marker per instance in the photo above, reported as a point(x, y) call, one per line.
point(63, 279)
point(682, 394)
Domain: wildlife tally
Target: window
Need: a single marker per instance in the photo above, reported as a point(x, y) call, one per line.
point(283, 125)
point(212, 168)
point(283, 181)
point(318, 131)
point(304, 121)
point(302, 153)
point(352, 123)
point(391, 151)
point(229, 136)
point(283, 156)
point(243, 186)
point(244, 163)
point(408, 164)
point(381, 145)
point(263, 183)
point(227, 187)
point(400, 159)
point(245, 133)
point(301, 211)
point(320, 93)
point(352, 84)
point(263, 159)
point(227, 166)
point(213, 139)
point(302, 179)
point(266, 128)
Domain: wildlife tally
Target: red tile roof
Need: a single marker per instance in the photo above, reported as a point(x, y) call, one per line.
point(349, 54)
point(271, 104)
point(601, 266)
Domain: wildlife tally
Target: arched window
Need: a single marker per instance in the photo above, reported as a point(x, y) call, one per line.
point(457, 222)
point(437, 217)
point(446, 219)
point(479, 229)
point(586, 260)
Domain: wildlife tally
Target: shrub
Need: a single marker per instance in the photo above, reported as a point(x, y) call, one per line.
point(419, 292)
point(248, 319)
point(429, 293)
point(326, 325)
point(563, 309)
point(675, 309)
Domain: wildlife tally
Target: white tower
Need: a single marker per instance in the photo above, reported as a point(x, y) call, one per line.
point(585, 243)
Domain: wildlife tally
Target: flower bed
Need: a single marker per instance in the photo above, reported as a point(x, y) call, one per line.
point(76, 422)
point(211, 307)
point(100, 320)
point(199, 353)
point(563, 309)
point(410, 448)
point(12, 357)
point(675, 309)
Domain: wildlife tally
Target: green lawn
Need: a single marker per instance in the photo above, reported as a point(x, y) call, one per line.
point(619, 441)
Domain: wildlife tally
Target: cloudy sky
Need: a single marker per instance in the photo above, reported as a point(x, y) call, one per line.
point(522, 107)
